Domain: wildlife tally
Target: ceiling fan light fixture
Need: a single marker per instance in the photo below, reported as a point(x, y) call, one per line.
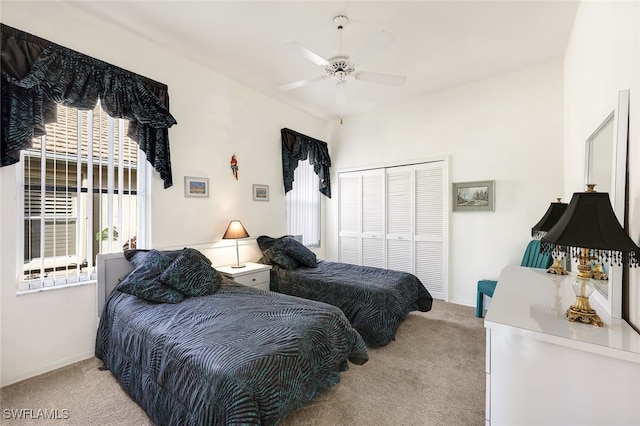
point(340, 21)
point(339, 64)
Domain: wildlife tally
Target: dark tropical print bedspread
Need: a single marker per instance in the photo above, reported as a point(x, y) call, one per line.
point(376, 301)
point(239, 356)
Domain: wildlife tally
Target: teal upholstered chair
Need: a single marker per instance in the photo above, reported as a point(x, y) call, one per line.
point(532, 258)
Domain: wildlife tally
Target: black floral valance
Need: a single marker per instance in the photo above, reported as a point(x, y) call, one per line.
point(37, 75)
point(296, 147)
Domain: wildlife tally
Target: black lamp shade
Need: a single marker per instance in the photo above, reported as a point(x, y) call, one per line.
point(550, 218)
point(590, 223)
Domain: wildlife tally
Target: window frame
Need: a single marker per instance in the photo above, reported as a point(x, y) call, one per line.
point(143, 217)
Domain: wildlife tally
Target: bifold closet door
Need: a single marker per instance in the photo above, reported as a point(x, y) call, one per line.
point(416, 223)
point(373, 214)
point(429, 236)
point(395, 218)
point(350, 218)
point(362, 213)
point(400, 217)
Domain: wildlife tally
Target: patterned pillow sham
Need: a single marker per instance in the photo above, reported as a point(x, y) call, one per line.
point(265, 242)
point(299, 252)
point(143, 280)
point(191, 274)
point(279, 257)
point(286, 252)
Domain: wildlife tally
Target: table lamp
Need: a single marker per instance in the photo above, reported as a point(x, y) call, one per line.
point(589, 230)
point(235, 231)
point(540, 229)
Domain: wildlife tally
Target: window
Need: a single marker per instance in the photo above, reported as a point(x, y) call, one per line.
point(80, 196)
point(303, 205)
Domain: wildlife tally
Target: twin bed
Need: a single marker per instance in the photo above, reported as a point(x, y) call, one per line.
point(237, 356)
point(376, 301)
point(229, 354)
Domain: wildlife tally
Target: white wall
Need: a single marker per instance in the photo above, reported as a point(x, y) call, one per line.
point(602, 58)
point(507, 128)
point(216, 118)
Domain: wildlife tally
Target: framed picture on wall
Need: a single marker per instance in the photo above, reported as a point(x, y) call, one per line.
point(260, 192)
point(196, 186)
point(474, 196)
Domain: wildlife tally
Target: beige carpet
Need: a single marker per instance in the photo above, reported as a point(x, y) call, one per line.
point(433, 374)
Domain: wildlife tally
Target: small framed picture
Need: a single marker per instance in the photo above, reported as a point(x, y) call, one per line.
point(260, 192)
point(474, 196)
point(196, 187)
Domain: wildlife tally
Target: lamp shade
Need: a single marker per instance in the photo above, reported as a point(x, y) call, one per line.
point(590, 223)
point(234, 231)
point(550, 218)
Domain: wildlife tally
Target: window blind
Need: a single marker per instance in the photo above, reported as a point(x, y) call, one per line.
point(80, 197)
point(303, 205)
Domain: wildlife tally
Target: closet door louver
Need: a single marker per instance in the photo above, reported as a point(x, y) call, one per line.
point(362, 218)
point(429, 237)
point(373, 215)
point(350, 201)
point(400, 218)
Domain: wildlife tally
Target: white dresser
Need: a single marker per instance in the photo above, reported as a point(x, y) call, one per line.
point(544, 370)
point(253, 274)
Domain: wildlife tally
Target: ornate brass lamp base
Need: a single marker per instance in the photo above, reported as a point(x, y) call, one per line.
point(582, 312)
point(557, 268)
point(598, 273)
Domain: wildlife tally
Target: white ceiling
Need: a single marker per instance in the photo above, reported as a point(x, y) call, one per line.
point(438, 44)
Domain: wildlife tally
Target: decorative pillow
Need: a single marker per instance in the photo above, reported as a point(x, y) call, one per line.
point(286, 251)
point(264, 260)
point(130, 254)
point(143, 280)
point(279, 257)
point(299, 252)
point(191, 274)
point(264, 242)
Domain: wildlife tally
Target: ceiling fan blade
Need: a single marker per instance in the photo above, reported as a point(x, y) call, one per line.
point(311, 56)
point(379, 42)
point(296, 84)
point(375, 77)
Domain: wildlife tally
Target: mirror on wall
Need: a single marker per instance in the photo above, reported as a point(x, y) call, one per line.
point(600, 147)
point(606, 166)
point(599, 169)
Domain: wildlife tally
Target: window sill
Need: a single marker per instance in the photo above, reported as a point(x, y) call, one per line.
point(42, 288)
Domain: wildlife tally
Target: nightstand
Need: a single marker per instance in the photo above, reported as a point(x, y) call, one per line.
point(253, 275)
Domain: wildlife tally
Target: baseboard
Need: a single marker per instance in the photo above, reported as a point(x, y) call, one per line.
point(462, 302)
point(48, 368)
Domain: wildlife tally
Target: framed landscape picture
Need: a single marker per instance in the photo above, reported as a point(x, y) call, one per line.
point(196, 187)
point(474, 196)
point(260, 192)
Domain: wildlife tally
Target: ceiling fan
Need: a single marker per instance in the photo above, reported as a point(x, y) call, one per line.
point(343, 66)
